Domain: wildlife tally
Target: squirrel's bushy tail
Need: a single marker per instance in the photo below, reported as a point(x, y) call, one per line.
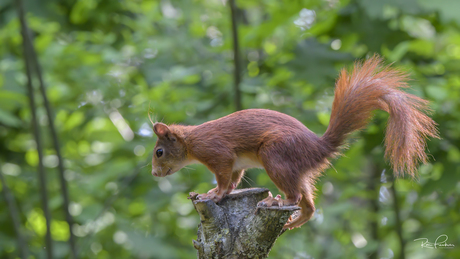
point(373, 86)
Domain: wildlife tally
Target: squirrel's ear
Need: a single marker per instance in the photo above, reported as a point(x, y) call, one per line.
point(161, 130)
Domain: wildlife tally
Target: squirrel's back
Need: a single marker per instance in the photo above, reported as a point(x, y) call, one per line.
point(252, 127)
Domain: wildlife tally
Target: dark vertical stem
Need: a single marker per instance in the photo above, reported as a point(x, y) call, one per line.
point(54, 135)
point(398, 219)
point(36, 131)
point(373, 190)
point(13, 209)
point(236, 57)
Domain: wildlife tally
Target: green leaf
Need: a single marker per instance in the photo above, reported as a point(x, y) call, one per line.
point(9, 119)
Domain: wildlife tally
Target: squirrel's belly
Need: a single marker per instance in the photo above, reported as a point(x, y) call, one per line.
point(245, 161)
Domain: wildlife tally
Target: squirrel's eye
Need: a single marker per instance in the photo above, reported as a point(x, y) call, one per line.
point(159, 152)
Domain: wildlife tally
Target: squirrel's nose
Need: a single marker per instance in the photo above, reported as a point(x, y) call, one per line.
point(154, 173)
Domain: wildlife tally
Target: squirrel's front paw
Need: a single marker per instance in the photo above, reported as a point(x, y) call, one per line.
point(213, 190)
point(211, 195)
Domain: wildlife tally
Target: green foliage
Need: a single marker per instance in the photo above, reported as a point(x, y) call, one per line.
point(108, 65)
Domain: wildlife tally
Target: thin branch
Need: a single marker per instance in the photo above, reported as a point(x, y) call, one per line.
point(373, 190)
point(13, 209)
point(36, 131)
point(64, 189)
point(402, 243)
point(236, 57)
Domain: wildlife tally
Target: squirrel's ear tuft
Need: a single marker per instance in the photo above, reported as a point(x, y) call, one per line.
point(161, 130)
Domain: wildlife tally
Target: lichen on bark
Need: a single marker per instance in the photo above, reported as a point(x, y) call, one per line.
point(236, 228)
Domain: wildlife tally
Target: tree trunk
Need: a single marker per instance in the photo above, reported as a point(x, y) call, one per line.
point(236, 228)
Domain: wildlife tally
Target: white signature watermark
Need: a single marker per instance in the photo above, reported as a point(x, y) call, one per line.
point(440, 242)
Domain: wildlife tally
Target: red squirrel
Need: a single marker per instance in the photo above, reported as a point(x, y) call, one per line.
point(292, 155)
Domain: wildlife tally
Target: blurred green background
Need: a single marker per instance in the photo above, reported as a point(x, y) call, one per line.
point(108, 64)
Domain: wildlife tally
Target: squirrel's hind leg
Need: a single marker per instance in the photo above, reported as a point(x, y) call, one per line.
point(284, 175)
point(307, 209)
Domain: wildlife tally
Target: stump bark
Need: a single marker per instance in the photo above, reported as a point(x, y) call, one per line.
point(236, 228)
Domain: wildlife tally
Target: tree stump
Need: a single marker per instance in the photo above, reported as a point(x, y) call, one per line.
point(236, 228)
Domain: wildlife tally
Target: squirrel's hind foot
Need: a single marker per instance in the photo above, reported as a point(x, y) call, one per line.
point(297, 222)
point(270, 201)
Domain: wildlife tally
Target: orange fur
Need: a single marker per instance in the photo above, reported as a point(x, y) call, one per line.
point(292, 155)
point(372, 86)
